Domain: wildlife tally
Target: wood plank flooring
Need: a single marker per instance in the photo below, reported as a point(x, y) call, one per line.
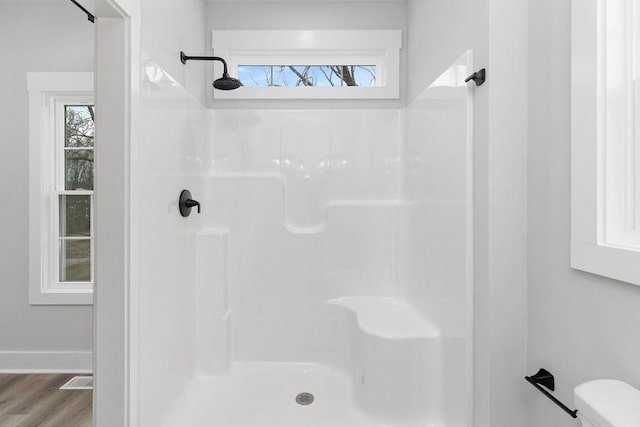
point(34, 400)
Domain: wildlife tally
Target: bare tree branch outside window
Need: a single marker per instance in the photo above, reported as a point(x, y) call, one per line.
point(307, 75)
point(75, 209)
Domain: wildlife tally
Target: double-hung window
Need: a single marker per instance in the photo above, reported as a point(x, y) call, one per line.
point(62, 136)
point(605, 146)
point(74, 191)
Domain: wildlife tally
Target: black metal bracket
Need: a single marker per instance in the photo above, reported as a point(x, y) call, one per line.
point(90, 16)
point(184, 58)
point(185, 203)
point(545, 378)
point(479, 77)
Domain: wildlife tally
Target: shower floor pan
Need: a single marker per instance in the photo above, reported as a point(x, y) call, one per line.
point(264, 395)
point(395, 381)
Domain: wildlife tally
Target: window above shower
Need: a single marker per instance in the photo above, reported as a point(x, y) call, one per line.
point(334, 64)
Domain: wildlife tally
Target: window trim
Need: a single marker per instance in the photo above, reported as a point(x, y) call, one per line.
point(590, 250)
point(45, 89)
point(313, 47)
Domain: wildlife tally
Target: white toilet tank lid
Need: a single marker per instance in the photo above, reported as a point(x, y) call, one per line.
point(610, 403)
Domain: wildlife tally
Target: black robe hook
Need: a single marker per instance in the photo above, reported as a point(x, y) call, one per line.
point(478, 77)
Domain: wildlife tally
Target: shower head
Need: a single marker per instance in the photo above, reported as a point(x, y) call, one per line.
point(226, 82)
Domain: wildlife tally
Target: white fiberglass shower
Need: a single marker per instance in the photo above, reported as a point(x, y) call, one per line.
point(332, 257)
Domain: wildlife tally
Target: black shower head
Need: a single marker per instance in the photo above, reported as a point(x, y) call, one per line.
point(226, 82)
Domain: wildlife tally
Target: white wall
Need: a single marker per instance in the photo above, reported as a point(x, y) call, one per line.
point(435, 238)
point(439, 31)
point(170, 156)
point(33, 37)
point(170, 26)
point(318, 15)
point(168, 160)
point(496, 31)
point(507, 211)
point(581, 326)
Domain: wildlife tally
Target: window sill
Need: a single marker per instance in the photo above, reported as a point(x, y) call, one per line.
point(61, 297)
point(613, 262)
point(310, 93)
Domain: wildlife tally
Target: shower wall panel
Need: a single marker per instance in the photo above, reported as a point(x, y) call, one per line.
point(311, 199)
point(357, 152)
point(312, 202)
point(332, 244)
point(436, 232)
point(169, 159)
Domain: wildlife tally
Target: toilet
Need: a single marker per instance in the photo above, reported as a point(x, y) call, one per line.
point(607, 403)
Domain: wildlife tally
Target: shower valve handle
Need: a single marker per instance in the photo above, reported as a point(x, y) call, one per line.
point(190, 203)
point(186, 203)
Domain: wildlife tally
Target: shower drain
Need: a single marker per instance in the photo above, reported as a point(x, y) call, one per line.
point(304, 399)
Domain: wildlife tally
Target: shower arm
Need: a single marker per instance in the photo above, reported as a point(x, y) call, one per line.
point(184, 58)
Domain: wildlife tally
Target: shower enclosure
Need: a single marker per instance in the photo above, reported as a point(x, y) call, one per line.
point(327, 281)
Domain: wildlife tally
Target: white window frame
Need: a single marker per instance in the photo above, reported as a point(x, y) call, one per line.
point(311, 47)
point(601, 174)
point(48, 93)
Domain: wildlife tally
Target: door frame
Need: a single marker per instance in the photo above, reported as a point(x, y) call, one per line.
point(117, 62)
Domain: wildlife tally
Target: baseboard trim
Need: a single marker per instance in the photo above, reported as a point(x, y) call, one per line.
point(46, 362)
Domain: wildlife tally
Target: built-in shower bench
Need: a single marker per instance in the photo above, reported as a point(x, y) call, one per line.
point(397, 359)
point(388, 317)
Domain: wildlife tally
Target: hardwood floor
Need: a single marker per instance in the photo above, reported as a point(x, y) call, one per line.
point(34, 400)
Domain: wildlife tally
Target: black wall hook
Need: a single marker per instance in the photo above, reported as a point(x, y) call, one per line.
point(545, 378)
point(478, 77)
point(186, 203)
